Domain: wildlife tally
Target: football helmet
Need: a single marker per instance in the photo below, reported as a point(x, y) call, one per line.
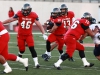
point(26, 9)
point(64, 9)
point(55, 13)
point(87, 16)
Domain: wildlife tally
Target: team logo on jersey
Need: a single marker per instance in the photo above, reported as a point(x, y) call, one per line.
point(26, 19)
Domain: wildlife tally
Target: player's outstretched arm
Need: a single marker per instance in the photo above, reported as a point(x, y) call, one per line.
point(9, 20)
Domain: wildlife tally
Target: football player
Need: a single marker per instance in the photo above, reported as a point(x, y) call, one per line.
point(78, 28)
point(96, 41)
point(26, 17)
point(4, 62)
point(92, 21)
point(4, 55)
point(57, 33)
point(68, 18)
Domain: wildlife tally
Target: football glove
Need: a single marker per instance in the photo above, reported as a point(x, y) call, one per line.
point(45, 37)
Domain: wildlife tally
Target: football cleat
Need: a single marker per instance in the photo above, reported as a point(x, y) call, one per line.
point(6, 70)
point(57, 67)
point(37, 66)
point(25, 62)
point(90, 65)
point(71, 59)
point(45, 57)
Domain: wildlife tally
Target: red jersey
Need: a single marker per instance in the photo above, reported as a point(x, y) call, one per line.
point(68, 19)
point(60, 30)
point(1, 26)
point(78, 28)
point(26, 22)
point(11, 13)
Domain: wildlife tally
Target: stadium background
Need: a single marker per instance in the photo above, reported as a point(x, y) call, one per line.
point(44, 7)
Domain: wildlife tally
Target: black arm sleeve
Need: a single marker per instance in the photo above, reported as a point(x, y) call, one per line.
point(84, 27)
point(15, 16)
point(37, 19)
point(58, 24)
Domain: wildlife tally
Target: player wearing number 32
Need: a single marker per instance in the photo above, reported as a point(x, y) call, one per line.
point(26, 18)
point(77, 29)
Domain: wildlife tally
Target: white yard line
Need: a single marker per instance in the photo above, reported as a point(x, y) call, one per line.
point(52, 67)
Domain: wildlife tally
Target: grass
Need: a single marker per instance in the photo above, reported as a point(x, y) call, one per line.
point(68, 67)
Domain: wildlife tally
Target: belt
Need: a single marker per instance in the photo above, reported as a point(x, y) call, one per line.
point(3, 32)
point(59, 35)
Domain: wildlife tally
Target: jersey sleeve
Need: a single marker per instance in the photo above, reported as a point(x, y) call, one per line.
point(85, 24)
point(35, 16)
point(17, 14)
point(71, 13)
point(58, 21)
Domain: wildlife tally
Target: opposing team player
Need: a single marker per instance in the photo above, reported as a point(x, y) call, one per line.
point(77, 29)
point(26, 18)
point(96, 41)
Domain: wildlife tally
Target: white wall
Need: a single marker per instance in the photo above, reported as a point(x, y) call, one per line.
point(43, 9)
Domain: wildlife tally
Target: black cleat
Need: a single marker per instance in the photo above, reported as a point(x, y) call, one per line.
point(45, 57)
point(38, 66)
point(71, 59)
point(91, 64)
point(26, 68)
point(3, 72)
point(58, 68)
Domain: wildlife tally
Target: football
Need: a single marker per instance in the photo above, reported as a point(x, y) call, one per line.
point(49, 25)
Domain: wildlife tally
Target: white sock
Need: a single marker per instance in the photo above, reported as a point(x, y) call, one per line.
point(85, 62)
point(6, 65)
point(20, 53)
point(62, 53)
point(19, 59)
point(49, 53)
point(35, 60)
point(59, 62)
point(46, 52)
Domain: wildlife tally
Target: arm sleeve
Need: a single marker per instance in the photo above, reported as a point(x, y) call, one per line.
point(58, 24)
point(15, 16)
point(37, 19)
point(84, 27)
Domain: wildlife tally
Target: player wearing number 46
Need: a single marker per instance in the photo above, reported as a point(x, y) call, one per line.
point(26, 18)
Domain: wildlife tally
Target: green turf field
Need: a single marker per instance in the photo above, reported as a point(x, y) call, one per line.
point(68, 67)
